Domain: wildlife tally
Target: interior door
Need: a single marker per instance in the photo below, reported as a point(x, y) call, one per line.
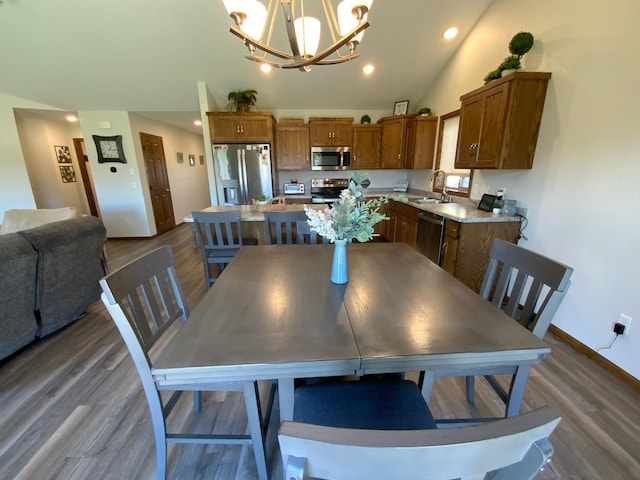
point(158, 179)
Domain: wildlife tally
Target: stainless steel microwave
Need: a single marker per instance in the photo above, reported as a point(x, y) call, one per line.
point(330, 158)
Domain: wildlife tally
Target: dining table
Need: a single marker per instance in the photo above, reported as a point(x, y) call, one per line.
point(273, 314)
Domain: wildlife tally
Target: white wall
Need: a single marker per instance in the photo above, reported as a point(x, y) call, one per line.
point(38, 137)
point(582, 193)
point(189, 185)
point(125, 206)
point(16, 188)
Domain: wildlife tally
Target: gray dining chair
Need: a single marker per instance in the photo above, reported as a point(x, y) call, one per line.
point(355, 430)
point(220, 238)
point(528, 287)
point(144, 299)
point(287, 228)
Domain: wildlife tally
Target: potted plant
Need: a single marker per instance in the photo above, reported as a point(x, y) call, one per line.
point(509, 64)
point(261, 199)
point(365, 119)
point(424, 111)
point(520, 44)
point(241, 100)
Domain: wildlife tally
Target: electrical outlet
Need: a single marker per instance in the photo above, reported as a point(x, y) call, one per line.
point(626, 321)
point(521, 211)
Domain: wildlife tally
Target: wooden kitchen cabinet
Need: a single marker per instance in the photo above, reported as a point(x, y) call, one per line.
point(366, 147)
point(466, 248)
point(292, 146)
point(252, 127)
point(335, 131)
point(393, 141)
point(499, 123)
point(420, 141)
point(403, 226)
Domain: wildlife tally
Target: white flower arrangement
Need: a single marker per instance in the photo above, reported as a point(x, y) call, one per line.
point(351, 216)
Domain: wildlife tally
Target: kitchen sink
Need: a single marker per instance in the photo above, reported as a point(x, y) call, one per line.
point(426, 201)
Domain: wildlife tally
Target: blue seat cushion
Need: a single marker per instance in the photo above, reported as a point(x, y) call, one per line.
point(397, 405)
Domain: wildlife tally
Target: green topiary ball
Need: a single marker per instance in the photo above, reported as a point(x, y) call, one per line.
point(521, 43)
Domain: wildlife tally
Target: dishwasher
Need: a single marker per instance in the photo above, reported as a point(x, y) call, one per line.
point(430, 236)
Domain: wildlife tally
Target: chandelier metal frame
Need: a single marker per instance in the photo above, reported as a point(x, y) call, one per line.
point(295, 59)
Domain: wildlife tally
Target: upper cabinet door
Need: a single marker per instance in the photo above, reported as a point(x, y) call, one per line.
point(499, 123)
point(366, 147)
point(241, 127)
point(292, 148)
point(325, 132)
point(392, 146)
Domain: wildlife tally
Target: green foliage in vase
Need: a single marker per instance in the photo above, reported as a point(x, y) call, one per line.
point(351, 217)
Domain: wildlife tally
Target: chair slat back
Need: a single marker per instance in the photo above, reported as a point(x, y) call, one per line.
point(306, 235)
point(534, 285)
point(218, 230)
point(148, 294)
point(288, 228)
point(518, 446)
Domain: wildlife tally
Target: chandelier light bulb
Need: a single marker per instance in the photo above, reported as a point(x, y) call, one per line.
point(307, 35)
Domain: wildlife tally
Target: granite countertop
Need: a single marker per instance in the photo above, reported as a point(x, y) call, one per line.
point(463, 210)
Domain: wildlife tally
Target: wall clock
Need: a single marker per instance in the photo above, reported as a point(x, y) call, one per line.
point(109, 149)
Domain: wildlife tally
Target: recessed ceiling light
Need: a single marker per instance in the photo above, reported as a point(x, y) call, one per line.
point(197, 123)
point(265, 67)
point(71, 118)
point(450, 33)
point(368, 69)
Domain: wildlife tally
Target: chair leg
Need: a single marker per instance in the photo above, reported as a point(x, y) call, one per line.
point(470, 383)
point(254, 417)
point(197, 402)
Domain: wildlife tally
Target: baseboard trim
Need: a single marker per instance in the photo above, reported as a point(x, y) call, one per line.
point(597, 358)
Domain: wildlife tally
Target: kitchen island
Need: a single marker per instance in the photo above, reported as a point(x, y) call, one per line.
point(252, 220)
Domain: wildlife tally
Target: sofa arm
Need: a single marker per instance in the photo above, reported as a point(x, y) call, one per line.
point(70, 265)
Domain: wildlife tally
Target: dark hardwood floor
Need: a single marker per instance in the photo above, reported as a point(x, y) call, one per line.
point(71, 406)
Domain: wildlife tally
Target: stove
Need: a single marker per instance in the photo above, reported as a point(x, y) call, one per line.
point(327, 190)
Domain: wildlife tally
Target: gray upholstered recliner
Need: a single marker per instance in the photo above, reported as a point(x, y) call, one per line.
point(48, 276)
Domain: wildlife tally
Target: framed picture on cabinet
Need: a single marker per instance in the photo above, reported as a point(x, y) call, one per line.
point(401, 107)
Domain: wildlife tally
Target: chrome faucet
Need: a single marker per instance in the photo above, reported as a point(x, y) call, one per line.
point(445, 197)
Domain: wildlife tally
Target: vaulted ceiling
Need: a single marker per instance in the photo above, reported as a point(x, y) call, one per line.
point(148, 55)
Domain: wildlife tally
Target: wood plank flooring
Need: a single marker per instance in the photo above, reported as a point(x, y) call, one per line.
point(71, 406)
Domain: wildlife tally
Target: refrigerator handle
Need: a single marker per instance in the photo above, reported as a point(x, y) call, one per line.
point(242, 176)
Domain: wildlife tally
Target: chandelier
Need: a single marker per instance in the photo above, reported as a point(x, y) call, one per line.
point(345, 26)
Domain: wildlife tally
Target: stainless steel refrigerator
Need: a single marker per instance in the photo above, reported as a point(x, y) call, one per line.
point(242, 172)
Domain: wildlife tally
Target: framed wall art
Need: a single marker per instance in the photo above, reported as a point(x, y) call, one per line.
point(192, 160)
point(401, 107)
point(201, 159)
point(63, 154)
point(180, 157)
point(109, 149)
point(67, 173)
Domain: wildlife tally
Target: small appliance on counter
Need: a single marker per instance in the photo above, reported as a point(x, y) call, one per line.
point(401, 186)
point(294, 188)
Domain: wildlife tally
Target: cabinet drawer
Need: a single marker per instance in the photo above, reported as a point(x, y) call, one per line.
point(451, 228)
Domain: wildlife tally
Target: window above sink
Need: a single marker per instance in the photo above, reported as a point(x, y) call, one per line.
point(456, 181)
